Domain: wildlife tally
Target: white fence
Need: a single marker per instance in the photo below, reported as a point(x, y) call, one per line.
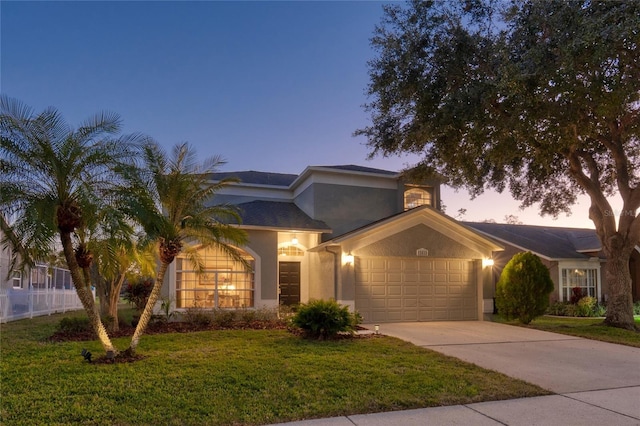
point(49, 290)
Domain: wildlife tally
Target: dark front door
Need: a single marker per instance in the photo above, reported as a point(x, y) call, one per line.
point(289, 283)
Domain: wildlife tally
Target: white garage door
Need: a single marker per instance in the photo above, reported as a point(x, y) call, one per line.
point(416, 289)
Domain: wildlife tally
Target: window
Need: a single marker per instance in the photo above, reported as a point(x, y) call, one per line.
point(416, 197)
point(16, 279)
point(585, 279)
point(224, 283)
point(290, 251)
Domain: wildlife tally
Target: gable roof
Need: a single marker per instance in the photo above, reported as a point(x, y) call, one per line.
point(278, 215)
point(426, 215)
point(552, 243)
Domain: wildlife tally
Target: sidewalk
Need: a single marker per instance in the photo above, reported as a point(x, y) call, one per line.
point(596, 383)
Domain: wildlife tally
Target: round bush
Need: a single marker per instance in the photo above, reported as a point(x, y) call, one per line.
point(523, 289)
point(323, 319)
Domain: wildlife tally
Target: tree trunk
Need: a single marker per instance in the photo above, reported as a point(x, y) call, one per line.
point(113, 297)
point(618, 278)
point(84, 293)
point(145, 317)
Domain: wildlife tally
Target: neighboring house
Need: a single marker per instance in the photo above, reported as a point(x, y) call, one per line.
point(362, 236)
point(574, 256)
point(38, 290)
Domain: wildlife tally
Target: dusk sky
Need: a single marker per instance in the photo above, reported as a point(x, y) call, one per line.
point(269, 86)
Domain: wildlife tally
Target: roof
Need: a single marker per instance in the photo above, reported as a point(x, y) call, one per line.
point(547, 241)
point(354, 168)
point(260, 178)
point(286, 179)
point(429, 216)
point(278, 214)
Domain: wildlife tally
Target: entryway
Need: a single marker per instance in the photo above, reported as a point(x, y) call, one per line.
point(289, 283)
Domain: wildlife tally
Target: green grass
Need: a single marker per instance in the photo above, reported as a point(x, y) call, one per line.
point(229, 378)
point(589, 328)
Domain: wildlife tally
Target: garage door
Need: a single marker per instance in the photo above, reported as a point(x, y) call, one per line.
point(399, 289)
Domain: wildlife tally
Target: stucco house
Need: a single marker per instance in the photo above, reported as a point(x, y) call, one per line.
point(574, 256)
point(366, 237)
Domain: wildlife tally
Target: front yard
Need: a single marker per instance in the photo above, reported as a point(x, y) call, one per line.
point(245, 377)
point(589, 328)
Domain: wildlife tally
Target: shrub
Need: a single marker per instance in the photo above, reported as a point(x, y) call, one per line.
point(558, 308)
point(224, 318)
point(636, 308)
point(576, 295)
point(74, 325)
point(323, 319)
point(522, 292)
point(586, 306)
point(197, 317)
point(137, 292)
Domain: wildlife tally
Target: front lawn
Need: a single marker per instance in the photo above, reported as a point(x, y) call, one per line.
point(589, 328)
point(229, 377)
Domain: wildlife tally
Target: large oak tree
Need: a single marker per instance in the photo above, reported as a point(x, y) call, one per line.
point(538, 97)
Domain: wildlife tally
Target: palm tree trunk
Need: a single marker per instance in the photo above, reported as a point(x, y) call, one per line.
point(84, 294)
point(113, 297)
point(145, 317)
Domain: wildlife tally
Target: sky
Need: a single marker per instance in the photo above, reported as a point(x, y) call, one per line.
point(268, 86)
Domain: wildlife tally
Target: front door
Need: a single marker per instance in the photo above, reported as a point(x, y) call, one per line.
point(289, 281)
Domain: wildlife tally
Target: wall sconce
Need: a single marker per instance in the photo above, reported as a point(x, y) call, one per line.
point(487, 262)
point(294, 241)
point(348, 258)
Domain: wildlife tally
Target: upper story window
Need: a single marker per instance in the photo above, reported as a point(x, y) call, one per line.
point(416, 197)
point(16, 279)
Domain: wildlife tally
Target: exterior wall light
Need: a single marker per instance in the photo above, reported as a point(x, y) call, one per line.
point(348, 258)
point(294, 241)
point(487, 262)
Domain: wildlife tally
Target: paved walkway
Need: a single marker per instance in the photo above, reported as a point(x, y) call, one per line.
point(595, 383)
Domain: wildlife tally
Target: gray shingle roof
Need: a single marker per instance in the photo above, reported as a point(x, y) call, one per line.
point(548, 241)
point(278, 214)
point(260, 178)
point(286, 179)
point(354, 168)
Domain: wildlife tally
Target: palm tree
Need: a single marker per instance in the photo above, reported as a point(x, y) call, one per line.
point(54, 178)
point(174, 207)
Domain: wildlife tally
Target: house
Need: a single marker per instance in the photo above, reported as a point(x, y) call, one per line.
point(574, 256)
point(369, 238)
point(35, 290)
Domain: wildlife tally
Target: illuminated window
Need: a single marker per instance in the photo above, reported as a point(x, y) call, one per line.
point(416, 197)
point(225, 283)
point(584, 279)
point(290, 251)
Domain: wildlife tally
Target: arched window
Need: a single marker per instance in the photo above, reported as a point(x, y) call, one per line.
point(225, 283)
point(416, 197)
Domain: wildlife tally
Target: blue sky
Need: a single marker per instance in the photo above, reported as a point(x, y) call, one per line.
point(270, 86)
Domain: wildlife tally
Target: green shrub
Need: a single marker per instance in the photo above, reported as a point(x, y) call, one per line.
point(636, 308)
point(522, 292)
point(586, 306)
point(197, 317)
point(558, 309)
point(74, 325)
point(224, 318)
point(323, 319)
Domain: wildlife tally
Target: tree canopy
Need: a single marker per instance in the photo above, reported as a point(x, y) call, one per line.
point(540, 98)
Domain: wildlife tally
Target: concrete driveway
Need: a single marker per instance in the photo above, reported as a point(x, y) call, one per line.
point(556, 362)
